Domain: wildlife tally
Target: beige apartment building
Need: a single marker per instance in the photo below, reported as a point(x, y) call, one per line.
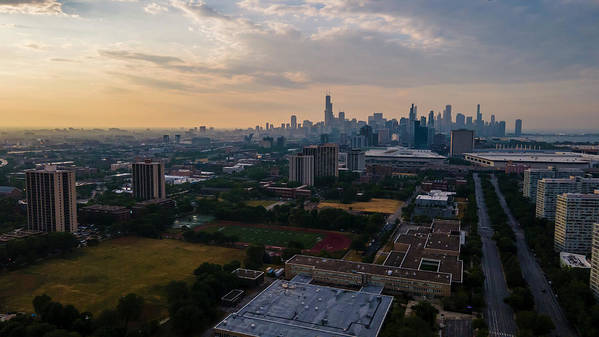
point(575, 215)
point(51, 200)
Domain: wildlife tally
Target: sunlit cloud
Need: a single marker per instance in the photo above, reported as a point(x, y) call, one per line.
point(235, 55)
point(47, 7)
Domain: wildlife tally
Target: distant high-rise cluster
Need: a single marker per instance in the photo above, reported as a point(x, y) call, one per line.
point(431, 130)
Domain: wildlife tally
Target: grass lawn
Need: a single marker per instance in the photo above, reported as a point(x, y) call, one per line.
point(267, 236)
point(96, 277)
point(353, 255)
point(264, 203)
point(375, 205)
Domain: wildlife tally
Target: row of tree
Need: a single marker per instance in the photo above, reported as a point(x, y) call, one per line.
point(529, 322)
point(12, 215)
point(54, 319)
point(22, 252)
point(292, 215)
point(570, 284)
point(194, 308)
point(469, 296)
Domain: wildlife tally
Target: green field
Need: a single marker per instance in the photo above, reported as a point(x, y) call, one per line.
point(96, 278)
point(264, 203)
point(267, 236)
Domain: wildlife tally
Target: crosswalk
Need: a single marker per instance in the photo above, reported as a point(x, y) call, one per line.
point(500, 334)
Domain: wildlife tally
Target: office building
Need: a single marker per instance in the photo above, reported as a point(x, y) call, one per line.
point(178, 139)
point(328, 111)
point(51, 200)
point(165, 139)
point(293, 121)
point(297, 308)
point(532, 177)
point(462, 141)
point(518, 128)
point(594, 280)
point(301, 169)
point(404, 157)
point(148, 180)
point(460, 121)
point(548, 189)
point(326, 159)
point(533, 159)
point(420, 136)
point(575, 215)
point(431, 120)
point(408, 268)
point(447, 119)
point(356, 160)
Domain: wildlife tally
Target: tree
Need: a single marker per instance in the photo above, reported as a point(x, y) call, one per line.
point(177, 291)
point(231, 266)
point(130, 307)
point(187, 320)
point(426, 311)
point(254, 257)
point(40, 303)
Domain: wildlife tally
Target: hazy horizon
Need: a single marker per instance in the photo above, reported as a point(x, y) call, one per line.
point(238, 64)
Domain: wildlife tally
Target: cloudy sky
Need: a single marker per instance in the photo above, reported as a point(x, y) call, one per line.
point(180, 63)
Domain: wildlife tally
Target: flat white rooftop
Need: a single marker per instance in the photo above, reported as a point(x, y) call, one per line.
point(540, 157)
point(403, 152)
point(288, 308)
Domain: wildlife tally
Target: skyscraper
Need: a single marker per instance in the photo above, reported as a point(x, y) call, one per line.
point(148, 180)
point(518, 128)
point(328, 111)
point(326, 159)
point(51, 200)
point(431, 120)
point(301, 169)
point(479, 124)
point(447, 119)
point(293, 122)
point(460, 121)
point(420, 136)
point(412, 115)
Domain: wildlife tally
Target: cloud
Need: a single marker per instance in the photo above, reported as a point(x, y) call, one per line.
point(156, 83)
point(45, 7)
point(154, 8)
point(129, 55)
point(35, 46)
point(60, 59)
point(198, 10)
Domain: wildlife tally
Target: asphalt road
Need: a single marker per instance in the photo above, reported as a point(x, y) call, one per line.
point(499, 315)
point(545, 302)
point(457, 328)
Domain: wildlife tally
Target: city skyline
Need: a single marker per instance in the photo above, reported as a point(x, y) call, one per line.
point(184, 63)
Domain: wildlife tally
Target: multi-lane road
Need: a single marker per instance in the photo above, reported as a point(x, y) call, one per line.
point(545, 300)
point(500, 316)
